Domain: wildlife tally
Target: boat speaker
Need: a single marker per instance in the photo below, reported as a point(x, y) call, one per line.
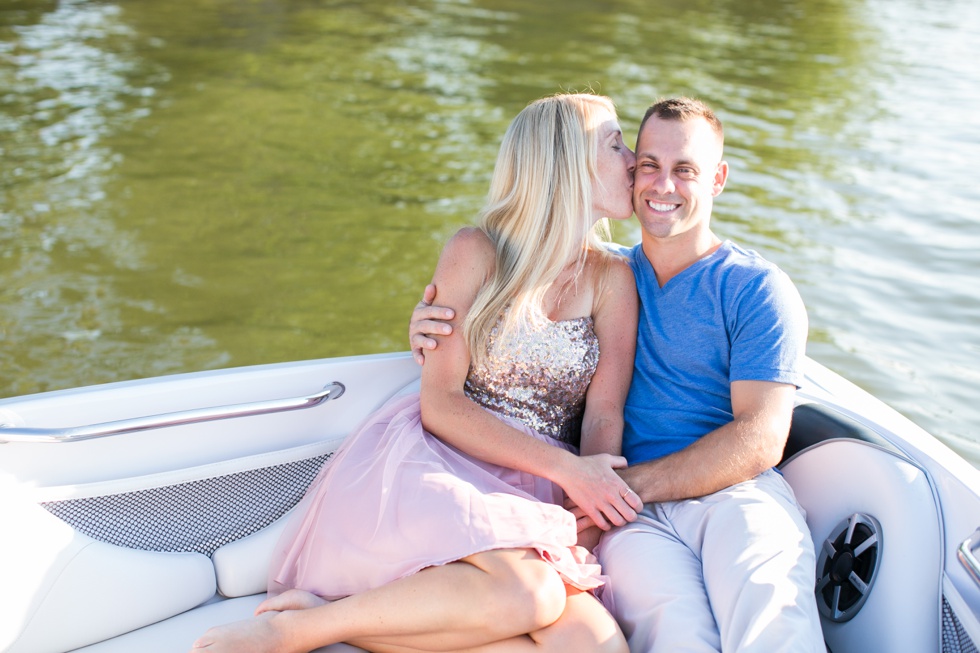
point(848, 566)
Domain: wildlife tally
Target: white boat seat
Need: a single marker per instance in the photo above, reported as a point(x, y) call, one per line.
point(63, 589)
point(242, 566)
point(854, 487)
point(815, 423)
point(133, 561)
point(177, 634)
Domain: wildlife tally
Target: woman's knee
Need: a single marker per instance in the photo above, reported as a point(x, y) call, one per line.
point(526, 589)
point(538, 589)
point(585, 626)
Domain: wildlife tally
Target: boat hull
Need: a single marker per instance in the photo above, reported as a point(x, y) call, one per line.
point(141, 539)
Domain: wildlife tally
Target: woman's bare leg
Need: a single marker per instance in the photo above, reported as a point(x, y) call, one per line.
point(487, 597)
point(584, 627)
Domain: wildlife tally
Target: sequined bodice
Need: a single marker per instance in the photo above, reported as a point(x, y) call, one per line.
point(541, 379)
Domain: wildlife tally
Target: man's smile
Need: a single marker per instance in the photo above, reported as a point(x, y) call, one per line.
point(661, 207)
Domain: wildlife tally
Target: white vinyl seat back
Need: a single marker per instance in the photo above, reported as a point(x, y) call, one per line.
point(840, 478)
point(242, 566)
point(63, 589)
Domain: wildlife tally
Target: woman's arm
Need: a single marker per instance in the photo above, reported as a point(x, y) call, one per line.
point(615, 315)
point(464, 266)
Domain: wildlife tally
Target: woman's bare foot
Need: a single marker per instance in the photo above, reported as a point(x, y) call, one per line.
point(255, 635)
point(290, 600)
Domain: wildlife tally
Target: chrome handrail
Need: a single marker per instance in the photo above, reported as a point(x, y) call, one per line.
point(10, 433)
point(965, 554)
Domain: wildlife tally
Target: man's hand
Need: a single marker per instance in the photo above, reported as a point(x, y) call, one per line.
point(428, 320)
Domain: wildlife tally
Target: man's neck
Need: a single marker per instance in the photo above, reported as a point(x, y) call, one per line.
point(671, 256)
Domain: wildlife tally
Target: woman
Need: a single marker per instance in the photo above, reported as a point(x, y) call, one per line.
point(438, 526)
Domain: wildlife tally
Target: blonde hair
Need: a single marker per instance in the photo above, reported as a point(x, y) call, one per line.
point(539, 212)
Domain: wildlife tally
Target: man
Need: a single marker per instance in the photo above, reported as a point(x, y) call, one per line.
point(720, 559)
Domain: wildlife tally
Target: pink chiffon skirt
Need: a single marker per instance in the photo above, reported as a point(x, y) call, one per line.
point(396, 499)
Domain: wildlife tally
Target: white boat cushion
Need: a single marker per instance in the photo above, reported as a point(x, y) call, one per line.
point(242, 567)
point(838, 478)
point(177, 634)
point(62, 589)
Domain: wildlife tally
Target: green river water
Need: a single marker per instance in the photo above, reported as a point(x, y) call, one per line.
point(190, 185)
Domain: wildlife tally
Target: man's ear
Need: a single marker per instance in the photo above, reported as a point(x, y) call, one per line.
point(721, 177)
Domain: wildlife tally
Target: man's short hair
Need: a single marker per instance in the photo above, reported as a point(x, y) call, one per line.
point(683, 108)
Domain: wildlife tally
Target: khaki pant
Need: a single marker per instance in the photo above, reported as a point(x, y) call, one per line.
point(732, 571)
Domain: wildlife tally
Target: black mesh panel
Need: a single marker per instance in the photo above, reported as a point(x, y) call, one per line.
point(196, 516)
point(955, 639)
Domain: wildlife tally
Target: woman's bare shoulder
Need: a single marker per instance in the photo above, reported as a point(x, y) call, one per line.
point(469, 252)
point(610, 269)
point(470, 246)
point(471, 240)
point(620, 271)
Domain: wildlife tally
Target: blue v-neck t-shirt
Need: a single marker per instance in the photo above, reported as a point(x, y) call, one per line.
point(731, 316)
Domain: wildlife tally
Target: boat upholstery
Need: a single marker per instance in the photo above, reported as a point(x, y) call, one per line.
point(90, 592)
point(89, 555)
point(196, 537)
point(241, 567)
point(177, 634)
point(72, 590)
point(84, 588)
point(838, 469)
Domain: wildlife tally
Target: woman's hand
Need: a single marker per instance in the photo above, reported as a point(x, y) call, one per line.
point(597, 491)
